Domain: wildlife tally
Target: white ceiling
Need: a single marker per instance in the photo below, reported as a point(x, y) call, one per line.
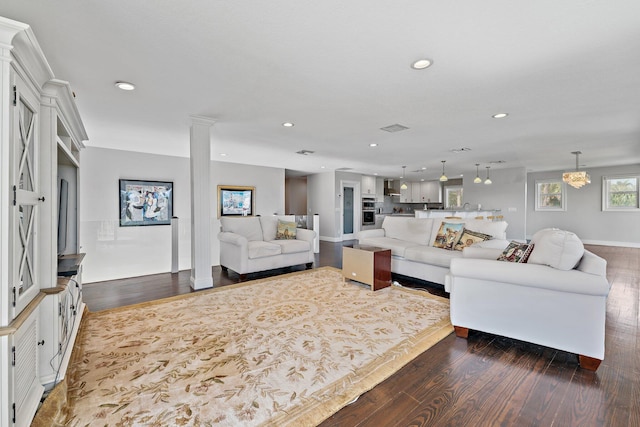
point(567, 72)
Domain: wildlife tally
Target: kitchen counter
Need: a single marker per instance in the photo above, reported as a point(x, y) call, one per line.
point(441, 213)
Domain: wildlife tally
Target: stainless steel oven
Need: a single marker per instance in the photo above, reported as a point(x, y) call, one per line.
point(369, 217)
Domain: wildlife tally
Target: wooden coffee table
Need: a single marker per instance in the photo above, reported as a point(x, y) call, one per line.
point(367, 264)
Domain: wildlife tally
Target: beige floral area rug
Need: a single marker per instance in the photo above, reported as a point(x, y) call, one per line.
point(288, 350)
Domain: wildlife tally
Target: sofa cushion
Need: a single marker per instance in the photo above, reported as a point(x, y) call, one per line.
point(261, 249)
point(289, 246)
point(496, 229)
point(448, 235)
point(397, 246)
point(269, 227)
point(431, 255)
point(556, 248)
point(286, 230)
point(416, 230)
point(470, 237)
point(248, 226)
point(516, 252)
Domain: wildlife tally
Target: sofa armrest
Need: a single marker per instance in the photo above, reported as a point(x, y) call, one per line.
point(367, 234)
point(531, 275)
point(306, 235)
point(233, 238)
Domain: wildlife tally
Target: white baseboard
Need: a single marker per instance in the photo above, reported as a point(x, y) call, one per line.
point(608, 243)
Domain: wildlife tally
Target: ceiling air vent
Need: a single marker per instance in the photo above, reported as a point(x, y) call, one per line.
point(460, 150)
point(394, 128)
point(344, 169)
point(497, 162)
point(305, 152)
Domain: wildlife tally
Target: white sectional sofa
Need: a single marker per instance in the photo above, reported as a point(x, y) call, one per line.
point(249, 244)
point(557, 299)
point(411, 243)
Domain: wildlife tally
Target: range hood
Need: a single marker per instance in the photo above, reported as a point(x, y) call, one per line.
point(389, 190)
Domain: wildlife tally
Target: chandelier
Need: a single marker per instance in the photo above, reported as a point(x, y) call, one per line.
point(577, 178)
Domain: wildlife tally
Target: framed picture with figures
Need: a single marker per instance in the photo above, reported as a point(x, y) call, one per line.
point(145, 202)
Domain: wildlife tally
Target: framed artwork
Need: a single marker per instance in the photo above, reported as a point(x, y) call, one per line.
point(236, 200)
point(145, 202)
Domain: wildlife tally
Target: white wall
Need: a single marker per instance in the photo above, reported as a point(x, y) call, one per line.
point(116, 252)
point(321, 199)
point(584, 215)
point(507, 192)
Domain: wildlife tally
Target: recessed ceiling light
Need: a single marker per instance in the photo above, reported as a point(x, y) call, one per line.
point(223, 154)
point(321, 167)
point(373, 144)
point(125, 85)
point(287, 124)
point(500, 115)
point(421, 64)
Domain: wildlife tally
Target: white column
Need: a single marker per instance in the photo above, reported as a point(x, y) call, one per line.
point(201, 206)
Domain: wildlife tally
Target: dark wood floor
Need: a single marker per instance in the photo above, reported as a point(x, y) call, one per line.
point(485, 380)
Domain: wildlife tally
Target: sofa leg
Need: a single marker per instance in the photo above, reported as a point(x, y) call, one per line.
point(461, 332)
point(243, 277)
point(309, 265)
point(589, 363)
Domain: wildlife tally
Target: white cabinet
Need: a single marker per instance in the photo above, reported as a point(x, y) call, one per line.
point(41, 136)
point(379, 190)
point(415, 192)
point(430, 192)
point(405, 193)
point(368, 185)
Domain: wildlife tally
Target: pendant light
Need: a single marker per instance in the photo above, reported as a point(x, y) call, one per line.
point(477, 179)
point(577, 178)
point(488, 180)
point(403, 186)
point(443, 178)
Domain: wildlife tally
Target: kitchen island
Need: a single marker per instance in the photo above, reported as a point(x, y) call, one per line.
point(442, 213)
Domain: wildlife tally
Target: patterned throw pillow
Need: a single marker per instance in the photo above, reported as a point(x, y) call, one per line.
point(469, 237)
point(516, 252)
point(286, 230)
point(448, 235)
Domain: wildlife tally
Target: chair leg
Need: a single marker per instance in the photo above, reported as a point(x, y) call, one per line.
point(589, 363)
point(461, 332)
point(243, 277)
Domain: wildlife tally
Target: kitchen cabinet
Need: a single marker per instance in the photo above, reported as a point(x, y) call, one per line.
point(430, 192)
point(368, 185)
point(405, 194)
point(416, 193)
point(380, 190)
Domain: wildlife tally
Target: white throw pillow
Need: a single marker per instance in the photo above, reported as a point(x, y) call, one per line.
point(556, 248)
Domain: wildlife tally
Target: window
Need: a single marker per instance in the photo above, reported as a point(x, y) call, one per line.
point(453, 196)
point(620, 193)
point(551, 195)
